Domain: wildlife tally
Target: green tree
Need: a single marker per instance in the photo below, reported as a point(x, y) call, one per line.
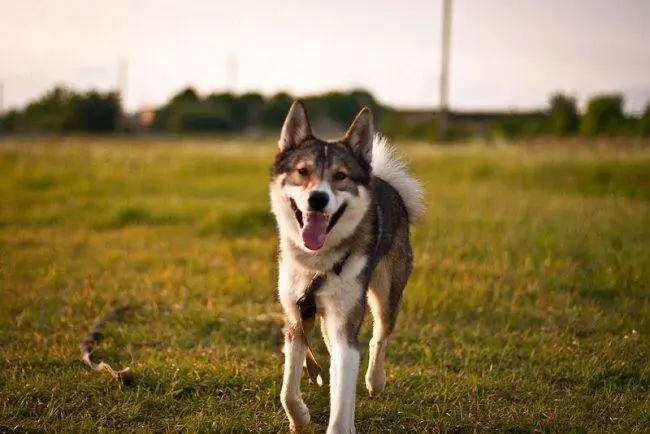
point(275, 110)
point(55, 111)
point(242, 110)
point(563, 114)
point(167, 117)
point(187, 95)
point(96, 112)
point(9, 122)
point(199, 117)
point(604, 116)
point(508, 127)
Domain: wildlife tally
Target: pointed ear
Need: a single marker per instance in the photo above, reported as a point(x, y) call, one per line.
point(360, 134)
point(296, 127)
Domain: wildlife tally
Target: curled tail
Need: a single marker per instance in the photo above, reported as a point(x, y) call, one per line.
point(387, 166)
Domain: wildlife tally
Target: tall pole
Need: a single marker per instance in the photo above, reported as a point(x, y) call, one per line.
point(2, 97)
point(122, 72)
point(444, 69)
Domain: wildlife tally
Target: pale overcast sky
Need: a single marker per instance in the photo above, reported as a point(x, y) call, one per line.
point(505, 53)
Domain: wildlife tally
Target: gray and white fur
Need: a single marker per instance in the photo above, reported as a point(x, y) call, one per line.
point(349, 196)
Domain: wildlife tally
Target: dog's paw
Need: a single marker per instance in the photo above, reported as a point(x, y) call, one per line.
point(297, 425)
point(375, 382)
point(298, 414)
point(336, 428)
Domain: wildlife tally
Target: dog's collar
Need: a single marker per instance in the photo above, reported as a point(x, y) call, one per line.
point(307, 303)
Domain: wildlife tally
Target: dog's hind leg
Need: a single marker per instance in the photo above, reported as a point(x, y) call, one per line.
point(378, 301)
point(384, 296)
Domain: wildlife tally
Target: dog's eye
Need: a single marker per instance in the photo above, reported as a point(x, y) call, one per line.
point(340, 176)
point(303, 171)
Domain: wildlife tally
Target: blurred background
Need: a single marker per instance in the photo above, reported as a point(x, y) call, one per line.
point(432, 70)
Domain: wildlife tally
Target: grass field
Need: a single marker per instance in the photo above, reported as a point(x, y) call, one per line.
point(528, 308)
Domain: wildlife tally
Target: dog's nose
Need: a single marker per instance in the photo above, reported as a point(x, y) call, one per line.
point(318, 200)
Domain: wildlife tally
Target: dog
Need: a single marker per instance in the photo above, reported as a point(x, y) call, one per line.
point(343, 209)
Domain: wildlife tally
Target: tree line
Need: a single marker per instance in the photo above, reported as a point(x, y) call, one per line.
point(187, 111)
point(603, 116)
point(64, 110)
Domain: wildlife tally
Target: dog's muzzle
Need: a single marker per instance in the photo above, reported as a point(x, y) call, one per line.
point(315, 226)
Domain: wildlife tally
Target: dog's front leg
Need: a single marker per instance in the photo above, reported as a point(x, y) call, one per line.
point(344, 370)
point(295, 347)
point(290, 396)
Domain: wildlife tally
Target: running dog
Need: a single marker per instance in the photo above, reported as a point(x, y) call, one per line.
point(344, 209)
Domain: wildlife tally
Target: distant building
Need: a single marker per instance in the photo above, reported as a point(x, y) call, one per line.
point(141, 121)
point(476, 123)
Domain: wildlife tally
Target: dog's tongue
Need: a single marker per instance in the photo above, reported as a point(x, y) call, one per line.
point(314, 231)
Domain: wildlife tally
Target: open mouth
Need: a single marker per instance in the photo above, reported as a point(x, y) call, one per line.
point(315, 226)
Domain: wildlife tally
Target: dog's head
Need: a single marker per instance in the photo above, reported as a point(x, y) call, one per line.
point(319, 189)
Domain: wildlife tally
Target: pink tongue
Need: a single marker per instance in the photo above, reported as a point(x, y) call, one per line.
point(314, 231)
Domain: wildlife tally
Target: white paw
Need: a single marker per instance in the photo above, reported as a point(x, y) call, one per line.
point(338, 429)
point(375, 382)
point(297, 412)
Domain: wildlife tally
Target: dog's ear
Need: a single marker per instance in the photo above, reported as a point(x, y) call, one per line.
point(296, 127)
point(360, 134)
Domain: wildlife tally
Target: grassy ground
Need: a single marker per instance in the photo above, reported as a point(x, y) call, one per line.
point(528, 308)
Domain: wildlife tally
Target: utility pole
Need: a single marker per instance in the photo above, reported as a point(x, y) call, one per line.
point(122, 76)
point(2, 104)
point(2, 97)
point(444, 69)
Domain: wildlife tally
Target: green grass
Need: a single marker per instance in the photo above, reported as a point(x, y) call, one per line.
point(528, 308)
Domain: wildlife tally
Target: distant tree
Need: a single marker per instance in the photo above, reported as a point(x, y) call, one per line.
point(392, 124)
point(248, 109)
point(217, 112)
point(364, 98)
point(199, 118)
point(55, 111)
point(336, 106)
point(396, 125)
point(62, 110)
point(9, 122)
point(243, 110)
point(509, 127)
point(97, 112)
point(421, 131)
point(341, 107)
point(275, 109)
point(535, 127)
point(604, 116)
point(223, 104)
point(563, 115)
point(167, 117)
point(187, 95)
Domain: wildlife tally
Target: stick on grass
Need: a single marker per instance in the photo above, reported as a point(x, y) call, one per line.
point(125, 376)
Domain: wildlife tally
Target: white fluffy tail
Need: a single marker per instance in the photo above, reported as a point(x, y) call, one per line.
point(387, 166)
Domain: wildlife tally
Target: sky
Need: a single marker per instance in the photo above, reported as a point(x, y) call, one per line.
point(505, 54)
